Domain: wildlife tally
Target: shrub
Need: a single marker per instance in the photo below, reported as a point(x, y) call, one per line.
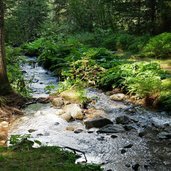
point(15, 75)
point(165, 95)
point(85, 71)
point(33, 48)
point(159, 46)
point(140, 78)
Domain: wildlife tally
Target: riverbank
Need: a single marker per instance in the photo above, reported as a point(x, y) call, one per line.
point(24, 157)
point(10, 109)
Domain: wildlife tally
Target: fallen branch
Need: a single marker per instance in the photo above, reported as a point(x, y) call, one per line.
point(75, 152)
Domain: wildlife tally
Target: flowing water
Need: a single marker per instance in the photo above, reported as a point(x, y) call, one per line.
point(145, 153)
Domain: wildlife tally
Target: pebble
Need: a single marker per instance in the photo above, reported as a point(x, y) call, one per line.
point(77, 131)
point(135, 167)
point(128, 146)
point(31, 130)
point(123, 151)
point(114, 136)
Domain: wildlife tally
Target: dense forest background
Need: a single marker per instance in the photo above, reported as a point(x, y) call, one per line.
point(26, 20)
point(123, 44)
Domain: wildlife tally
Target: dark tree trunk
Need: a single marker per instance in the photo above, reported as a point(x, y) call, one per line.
point(4, 83)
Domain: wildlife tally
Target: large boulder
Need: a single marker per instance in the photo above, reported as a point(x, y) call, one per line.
point(58, 102)
point(60, 112)
point(74, 110)
point(117, 97)
point(94, 113)
point(111, 129)
point(97, 122)
point(66, 116)
point(71, 95)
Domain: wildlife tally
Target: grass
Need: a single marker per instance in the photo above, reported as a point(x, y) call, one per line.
point(40, 159)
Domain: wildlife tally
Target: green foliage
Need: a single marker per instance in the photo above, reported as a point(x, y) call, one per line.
point(159, 46)
point(124, 41)
point(24, 20)
point(165, 95)
point(16, 139)
point(49, 88)
point(33, 48)
point(140, 78)
point(15, 75)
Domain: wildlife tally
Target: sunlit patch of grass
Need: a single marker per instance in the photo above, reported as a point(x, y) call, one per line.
point(44, 158)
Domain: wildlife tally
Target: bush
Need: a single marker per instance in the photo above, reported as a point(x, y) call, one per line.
point(124, 42)
point(33, 48)
point(140, 78)
point(159, 46)
point(85, 71)
point(15, 75)
point(165, 95)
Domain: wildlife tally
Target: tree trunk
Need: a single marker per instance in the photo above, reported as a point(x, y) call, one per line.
point(4, 83)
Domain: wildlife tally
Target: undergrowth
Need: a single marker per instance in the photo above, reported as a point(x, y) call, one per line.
point(99, 59)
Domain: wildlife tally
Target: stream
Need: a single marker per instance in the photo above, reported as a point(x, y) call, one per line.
point(144, 145)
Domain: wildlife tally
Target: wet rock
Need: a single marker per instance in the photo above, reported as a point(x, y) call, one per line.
point(100, 138)
point(142, 134)
point(41, 100)
point(111, 129)
point(114, 136)
point(135, 167)
point(77, 131)
point(24, 72)
point(123, 151)
point(90, 132)
point(128, 165)
point(93, 113)
point(71, 96)
point(129, 127)
point(123, 120)
point(35, 81)
point(56, 123)
point(4, 124)
point(31, 130)
point(146, 166)
point(98, 122)
point(164, 135)
point(128, 146)
point(58, 102)
point(70, 128)
point(66, 116)
point(130, 110)
point(74, 111)
point(60, 112)
point(117, 97)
